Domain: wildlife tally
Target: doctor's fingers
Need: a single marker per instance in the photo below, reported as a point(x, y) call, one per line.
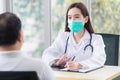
point(61, 61)
point(69, 64)
point(74, 65)
point(64, 56)
point(68, 59)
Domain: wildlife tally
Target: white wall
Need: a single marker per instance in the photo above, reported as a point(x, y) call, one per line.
point(2, 6)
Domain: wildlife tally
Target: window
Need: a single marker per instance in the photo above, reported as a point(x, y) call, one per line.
point(33, 17)
point(105, 16)
point(30, 13)
point(40, 18)
point(58, 14)
point(1, 6)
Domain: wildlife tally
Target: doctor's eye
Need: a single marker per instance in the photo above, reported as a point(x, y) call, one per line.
point(77, 17)
point(69, 17)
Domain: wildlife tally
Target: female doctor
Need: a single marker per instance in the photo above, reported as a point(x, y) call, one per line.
point(78, 47)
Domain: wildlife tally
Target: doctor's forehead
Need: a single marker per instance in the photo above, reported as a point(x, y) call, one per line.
point(74, 11)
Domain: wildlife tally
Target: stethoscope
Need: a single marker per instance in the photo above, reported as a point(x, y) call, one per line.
point(88, 45)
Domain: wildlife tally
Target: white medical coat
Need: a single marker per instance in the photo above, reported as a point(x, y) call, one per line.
point(85, 57)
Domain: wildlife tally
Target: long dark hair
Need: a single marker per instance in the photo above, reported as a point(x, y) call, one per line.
point(84, 12)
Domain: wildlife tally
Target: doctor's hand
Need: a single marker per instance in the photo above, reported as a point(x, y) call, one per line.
point(62, 60)
point(73, 65)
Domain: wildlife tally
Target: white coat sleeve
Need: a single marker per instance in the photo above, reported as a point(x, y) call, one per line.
point(98, 57)
point(55, 50)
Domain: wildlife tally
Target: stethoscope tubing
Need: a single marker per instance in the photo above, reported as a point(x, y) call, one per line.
point(84, 47)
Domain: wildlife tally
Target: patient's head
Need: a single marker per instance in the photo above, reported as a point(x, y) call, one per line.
point(10, 31)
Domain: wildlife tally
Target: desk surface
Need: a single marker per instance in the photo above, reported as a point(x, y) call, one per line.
point(105, 73)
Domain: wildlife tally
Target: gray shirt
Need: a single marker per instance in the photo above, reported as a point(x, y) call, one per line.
point(16, 61)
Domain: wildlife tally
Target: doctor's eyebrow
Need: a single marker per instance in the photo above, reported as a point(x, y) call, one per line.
point(75, 15)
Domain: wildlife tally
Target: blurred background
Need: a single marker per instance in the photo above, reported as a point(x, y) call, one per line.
point(43, 20)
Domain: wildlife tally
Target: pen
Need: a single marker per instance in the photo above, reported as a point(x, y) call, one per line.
point(73, 58)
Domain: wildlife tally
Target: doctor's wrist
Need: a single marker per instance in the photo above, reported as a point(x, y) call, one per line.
point(54, 62)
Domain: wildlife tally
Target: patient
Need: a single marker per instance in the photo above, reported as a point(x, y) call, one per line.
point(11, 58)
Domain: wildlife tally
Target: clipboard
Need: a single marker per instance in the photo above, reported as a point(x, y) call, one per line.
point(85, 70)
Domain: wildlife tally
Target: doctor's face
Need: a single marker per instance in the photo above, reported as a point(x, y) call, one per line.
point(75, 14)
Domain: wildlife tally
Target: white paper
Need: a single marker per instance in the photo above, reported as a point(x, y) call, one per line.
point(84, 70)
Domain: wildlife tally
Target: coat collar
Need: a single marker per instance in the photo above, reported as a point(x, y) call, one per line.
point(86, 36)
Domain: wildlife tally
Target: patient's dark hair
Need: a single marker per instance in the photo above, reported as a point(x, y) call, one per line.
point(10, 26)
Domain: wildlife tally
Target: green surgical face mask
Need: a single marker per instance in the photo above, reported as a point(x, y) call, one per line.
point(75, 26)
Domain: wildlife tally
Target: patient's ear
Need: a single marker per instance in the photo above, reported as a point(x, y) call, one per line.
point(20, 36)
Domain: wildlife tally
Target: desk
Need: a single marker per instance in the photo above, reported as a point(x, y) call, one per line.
point(105, 73)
